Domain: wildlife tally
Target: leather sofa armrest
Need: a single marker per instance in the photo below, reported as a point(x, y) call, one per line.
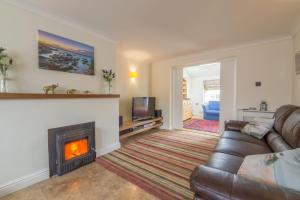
point(234, 125)
point(211, 183)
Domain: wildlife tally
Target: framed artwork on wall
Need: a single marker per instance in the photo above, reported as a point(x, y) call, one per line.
point(297, 56)
point(62, 54)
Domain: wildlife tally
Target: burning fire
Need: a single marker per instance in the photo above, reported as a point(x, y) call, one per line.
point(76, 148)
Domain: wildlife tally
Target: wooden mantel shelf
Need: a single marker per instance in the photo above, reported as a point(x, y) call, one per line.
point(54, 96)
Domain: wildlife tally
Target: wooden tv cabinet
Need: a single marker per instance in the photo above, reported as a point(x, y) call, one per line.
point(131, 128)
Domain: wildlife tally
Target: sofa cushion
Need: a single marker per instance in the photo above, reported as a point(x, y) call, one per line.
point(234, 125)
point(214, 105)
point(258, 127)
point(291, 129)
point(235, 135)
point(281, 115)
point(225, 162)
point(276, 142)
point(240, 148)
point(213, 112)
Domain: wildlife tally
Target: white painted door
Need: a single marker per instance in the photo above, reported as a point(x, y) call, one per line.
point(228, 91)
point(177, 99)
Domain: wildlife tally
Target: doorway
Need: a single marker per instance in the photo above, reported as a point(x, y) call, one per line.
point(201, 97)
point(217, 90)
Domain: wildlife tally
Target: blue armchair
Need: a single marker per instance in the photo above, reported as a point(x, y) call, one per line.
point(211, 111)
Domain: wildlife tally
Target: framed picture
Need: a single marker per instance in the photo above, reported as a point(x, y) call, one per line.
point(62, 54)
point(298, 62)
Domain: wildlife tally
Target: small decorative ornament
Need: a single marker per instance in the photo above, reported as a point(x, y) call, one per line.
point(263, 106)
point(86, 92)
point(50, 88)
point(5, 63)
point(270, 159)
point(71, 91)
point(108, 76)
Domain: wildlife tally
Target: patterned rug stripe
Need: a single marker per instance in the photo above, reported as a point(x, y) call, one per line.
point(158, 164)
point(171, 163)
point(142, 182)
point(173, 186)
point(163, 154)
point(192, 138)
point(184, 145)
point(162, 162)
point(166, 158)
point(174, 152)
point(157, 171)
point(195, 133)
point(189, 140)
point(175, 148)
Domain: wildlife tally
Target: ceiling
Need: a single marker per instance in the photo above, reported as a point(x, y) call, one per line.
point(203, 71)
point(157, 29)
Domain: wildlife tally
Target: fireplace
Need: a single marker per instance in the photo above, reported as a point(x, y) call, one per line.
point(71, 147)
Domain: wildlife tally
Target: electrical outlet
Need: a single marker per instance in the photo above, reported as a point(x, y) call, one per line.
point(258, 84)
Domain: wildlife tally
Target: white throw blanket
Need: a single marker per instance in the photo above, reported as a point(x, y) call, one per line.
point(281, 169)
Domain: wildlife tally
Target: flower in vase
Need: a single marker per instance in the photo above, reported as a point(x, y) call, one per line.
point(5, 62)
point(108, 76)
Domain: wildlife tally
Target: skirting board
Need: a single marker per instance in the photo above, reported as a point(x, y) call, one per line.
point(108, 149)
point(23, 182)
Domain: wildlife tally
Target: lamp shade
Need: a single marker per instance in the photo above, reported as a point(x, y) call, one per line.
point(133, 74)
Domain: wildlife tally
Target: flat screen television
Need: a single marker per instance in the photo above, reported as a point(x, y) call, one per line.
point(143, 108)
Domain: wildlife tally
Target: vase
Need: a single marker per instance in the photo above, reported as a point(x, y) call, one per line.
point(109, 87)
point(3, 84)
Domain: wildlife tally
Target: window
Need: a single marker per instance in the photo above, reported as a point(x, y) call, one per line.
point(211, 90)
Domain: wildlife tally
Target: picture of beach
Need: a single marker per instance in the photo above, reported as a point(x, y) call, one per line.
point(62, 54)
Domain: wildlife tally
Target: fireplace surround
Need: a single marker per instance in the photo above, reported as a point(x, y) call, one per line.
point(71, 147)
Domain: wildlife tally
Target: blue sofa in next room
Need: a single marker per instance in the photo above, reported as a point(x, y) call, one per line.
point(211, 111)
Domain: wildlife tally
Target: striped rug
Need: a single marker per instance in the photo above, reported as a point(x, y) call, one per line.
point(162, 162)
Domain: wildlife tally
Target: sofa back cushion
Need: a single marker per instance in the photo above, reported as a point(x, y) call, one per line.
point(291, 129)
point(281, 115)
point(214, 105)
point(276, 142)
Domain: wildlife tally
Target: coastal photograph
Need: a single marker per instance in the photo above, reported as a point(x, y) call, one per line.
point(62, 54)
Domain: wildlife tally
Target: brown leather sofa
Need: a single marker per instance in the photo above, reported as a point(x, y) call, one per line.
point(218, 179)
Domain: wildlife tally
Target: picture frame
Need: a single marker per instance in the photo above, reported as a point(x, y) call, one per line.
point(65, 55)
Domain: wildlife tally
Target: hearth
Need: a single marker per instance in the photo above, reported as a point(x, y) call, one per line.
point(71, 147)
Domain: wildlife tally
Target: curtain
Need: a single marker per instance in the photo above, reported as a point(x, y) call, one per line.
point(211, 84)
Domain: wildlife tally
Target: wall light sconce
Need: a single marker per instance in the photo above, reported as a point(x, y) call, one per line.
point(133, 74)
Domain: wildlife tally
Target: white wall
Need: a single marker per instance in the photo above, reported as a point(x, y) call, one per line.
point(296, 96)
point(128, 87)
point(19, 36)
point(269, 62)
point(24, 134)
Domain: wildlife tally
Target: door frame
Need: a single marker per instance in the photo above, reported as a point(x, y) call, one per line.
point(177, 109)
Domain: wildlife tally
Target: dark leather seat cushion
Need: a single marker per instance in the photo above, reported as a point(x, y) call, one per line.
point(234, 135)
point(225, 162)
point(240, 148)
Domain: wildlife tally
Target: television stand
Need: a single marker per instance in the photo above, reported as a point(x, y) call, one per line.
point(131, 128)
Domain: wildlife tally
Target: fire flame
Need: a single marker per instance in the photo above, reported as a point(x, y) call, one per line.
point(76, 148)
